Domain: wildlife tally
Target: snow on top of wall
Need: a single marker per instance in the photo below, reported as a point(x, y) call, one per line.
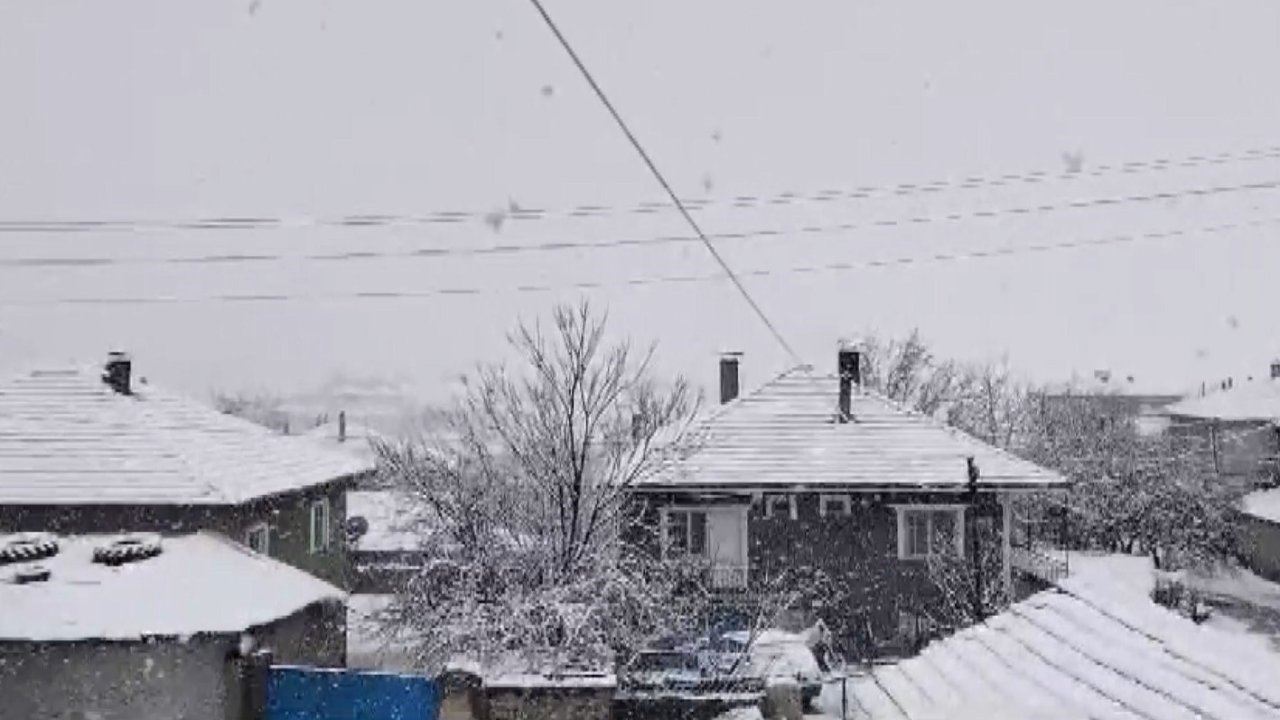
point(201, 583)
point(1264, 504)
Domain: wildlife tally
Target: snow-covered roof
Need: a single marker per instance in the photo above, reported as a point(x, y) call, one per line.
point(199, 583)
point(358, 439)
point(1264, 504)
point(784, 435)
point(68, 438)
point(1249, 400)
point(1076, 653)
point(395, 520)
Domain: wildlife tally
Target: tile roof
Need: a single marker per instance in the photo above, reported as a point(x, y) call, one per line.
point(1075, 653)
point(1254, 400)
point(67, 439)
point(784, 434)
point(199, 583)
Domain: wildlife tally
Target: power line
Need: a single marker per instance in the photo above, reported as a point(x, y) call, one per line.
point(938, 258)
point(657, 174)
point(564, 245)
point(518, 213)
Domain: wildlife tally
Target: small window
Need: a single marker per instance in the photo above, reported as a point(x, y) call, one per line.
point(834, 505)
point(258, 538)
point(930, 532)
point(686, 533)
point(780, 506)
point(320, 525)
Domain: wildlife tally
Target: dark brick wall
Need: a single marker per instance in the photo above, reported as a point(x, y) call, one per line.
point(288, 515)
point(858, 554)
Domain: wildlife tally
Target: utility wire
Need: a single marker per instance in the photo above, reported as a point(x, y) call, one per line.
point(562, 245)
point(516, 213)
point(657, 174)
point(938, 258)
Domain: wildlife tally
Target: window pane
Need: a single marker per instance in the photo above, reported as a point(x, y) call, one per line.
point(677, 533)
point(917, 533)
point(698, 534)
point(944, 532)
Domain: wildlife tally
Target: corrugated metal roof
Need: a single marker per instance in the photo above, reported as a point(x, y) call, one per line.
point(785, 434)
point(67, 439)
point(1256, 400)
point(1074, 653)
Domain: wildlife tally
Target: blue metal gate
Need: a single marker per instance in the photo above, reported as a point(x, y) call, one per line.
point(300, 693)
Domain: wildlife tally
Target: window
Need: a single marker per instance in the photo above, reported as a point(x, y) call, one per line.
point(780, 506)
point(686, 533)
point(930, 532)
point(320, 525)
point(834, 505)
point(258, 538)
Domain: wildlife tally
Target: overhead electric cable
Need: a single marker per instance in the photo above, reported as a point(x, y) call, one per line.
point(435, 251)
point(657, 174)
point(937, 258)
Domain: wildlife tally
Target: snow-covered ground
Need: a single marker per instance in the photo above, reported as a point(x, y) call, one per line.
point(1245, 603)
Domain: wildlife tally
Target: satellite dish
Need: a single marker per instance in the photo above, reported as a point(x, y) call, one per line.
point(356, 527)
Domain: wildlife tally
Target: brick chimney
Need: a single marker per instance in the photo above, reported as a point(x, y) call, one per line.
point(849, 363)
point(116, 372)
point(1275, 369)
point(729, 376)
point(342, 426)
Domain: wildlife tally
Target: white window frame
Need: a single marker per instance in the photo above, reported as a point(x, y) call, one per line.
point(322, 543)
point(791, 504)
point(827, 499)
point(257, 527)
point(902, 512)
point(666, 529)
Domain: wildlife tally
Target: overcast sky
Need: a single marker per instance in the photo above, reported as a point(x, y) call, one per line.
point(309, 108)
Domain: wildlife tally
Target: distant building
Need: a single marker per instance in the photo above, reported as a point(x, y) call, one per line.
point(817, 471)
point(150, 628)
point(1238, 427)
point(98, 450)
point(393, 539)
point(1114, 399)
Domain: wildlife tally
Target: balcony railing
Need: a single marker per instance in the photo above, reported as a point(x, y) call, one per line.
point(1039, 562)
point(727, 577)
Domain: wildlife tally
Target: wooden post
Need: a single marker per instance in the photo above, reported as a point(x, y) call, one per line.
point(1006, 545)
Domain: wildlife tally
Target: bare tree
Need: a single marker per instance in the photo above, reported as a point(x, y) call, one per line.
point(526, 493)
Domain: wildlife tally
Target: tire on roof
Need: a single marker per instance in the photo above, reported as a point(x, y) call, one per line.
point(26, 547)
point(127, 549)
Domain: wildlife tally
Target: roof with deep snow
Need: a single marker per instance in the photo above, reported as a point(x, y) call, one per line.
point(198, 583)
point(785, 434)
point(67, 438)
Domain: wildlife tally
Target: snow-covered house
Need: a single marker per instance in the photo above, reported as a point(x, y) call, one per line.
point(816, 471)
point(391, 539)
point(97, 450)
point(1082, 650)
point(149, 628)
point(1113, 399)
point(1238, 426)
point(1258, 532)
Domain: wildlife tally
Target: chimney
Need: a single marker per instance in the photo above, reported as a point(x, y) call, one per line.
point(342, 426)
point(1275, 369)
point(849, 362)
point(729, 376)
point(116, 372)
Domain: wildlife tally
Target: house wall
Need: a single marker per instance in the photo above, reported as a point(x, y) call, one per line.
point(1241, 451)
point(157, 680)
point(287, 514)
point(858, 553)
point(1259, 545)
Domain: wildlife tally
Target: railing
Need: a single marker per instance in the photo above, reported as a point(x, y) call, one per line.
point(1039, 562)
point(727, 577)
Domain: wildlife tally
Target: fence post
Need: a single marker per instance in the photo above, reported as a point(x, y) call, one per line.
point(844, 696)
point(252, 672)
